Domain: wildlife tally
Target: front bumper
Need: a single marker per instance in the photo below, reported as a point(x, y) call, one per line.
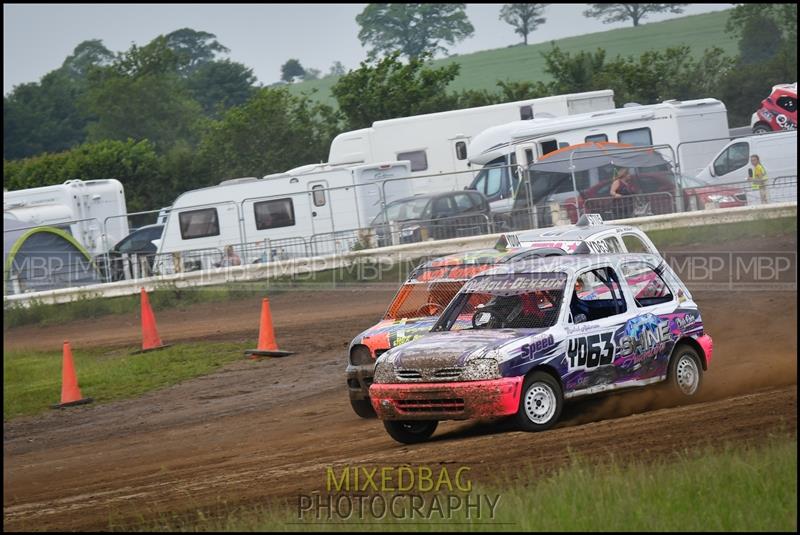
point(446, 401)
point(359, 379)
point(707, 344)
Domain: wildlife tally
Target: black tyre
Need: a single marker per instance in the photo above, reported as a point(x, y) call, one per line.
point(410, 431)
point(761, 128)
point(363, 407)
point(685, 374)
point(540, 403)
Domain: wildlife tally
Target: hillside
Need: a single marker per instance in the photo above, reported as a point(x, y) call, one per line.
point(481, 70)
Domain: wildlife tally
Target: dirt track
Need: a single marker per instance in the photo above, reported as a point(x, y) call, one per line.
point(262, 430)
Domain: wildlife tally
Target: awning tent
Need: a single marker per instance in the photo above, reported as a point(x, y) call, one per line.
point(592, 155)
point(43, 258)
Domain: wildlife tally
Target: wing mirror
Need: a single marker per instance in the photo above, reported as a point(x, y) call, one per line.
point(579, 318)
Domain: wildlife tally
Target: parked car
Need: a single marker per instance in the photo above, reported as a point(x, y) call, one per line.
point(432, 285)
point(436, 216)
point(778, 111)
point(140, 243)
point(520, 339)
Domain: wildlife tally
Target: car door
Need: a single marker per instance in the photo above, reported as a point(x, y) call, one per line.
point(442, 215)
point(598, 313)
point(648, 339)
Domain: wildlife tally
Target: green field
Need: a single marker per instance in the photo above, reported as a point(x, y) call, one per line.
point(728, 487)
point(32, 379)
point(482, 70)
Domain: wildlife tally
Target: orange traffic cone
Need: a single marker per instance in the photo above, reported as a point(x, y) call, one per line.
point(267, 346)
point(150, 338)
point(70, 393)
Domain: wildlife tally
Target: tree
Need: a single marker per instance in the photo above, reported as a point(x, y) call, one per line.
point(337, 69)
point(523, 17)
point(291, 69)
point(86, 55)
point(412, 29)
point(635, 12)
point(219, 85)
point(312, 74)
point(193, 49)
point(274, 131)
point(390, 89)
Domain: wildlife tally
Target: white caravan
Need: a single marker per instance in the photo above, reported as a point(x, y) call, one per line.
point(93, 211)
point(436, 143)
point(681, 125)
point(309, 210)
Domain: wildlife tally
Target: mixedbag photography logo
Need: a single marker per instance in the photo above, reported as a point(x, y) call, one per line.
point(414, 493)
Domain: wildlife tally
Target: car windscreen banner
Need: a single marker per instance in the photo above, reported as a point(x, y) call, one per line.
point(518, 283)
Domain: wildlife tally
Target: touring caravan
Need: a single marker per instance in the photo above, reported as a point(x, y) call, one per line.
point(436, 143)
point(302, 212)
point(93, 211)
point(681, 125)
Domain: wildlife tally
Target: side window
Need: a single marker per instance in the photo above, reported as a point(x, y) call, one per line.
point(464, 202)
point(634, 244)
point(318, 195)
point(442, 207)
point(418, 159)
point(494, 181)
point(597, 295)
point(734, 157)
point(647, 287)
point(787, 103)
point(461, 150)
point(596, 138)
point(274, 214)
point(529, 156)
point(637, 137)
point(546, 147)
point(613, 245)
point(199, 223)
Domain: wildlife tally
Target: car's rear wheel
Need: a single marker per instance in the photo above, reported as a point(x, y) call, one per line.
point(540, 403)
point(761, 128)
point(410, 431)
point(363, 407)
point(685, 374)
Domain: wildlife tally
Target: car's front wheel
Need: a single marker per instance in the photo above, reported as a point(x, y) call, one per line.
point(762, 128)
point(363, 408)
point(410, 431)
point(540, 403)
point(685, 373)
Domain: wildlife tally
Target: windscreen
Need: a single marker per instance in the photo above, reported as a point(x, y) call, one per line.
point(507, 301)
point(430, 290)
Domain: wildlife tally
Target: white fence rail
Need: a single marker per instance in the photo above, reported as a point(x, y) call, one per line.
point(300, 266)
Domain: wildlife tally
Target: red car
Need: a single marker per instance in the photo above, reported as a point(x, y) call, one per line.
point(655, 194)
point(778, 111)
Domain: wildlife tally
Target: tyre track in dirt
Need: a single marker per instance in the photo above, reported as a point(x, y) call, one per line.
point(259, 431)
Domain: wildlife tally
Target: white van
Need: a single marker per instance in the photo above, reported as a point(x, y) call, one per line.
point(777, 152)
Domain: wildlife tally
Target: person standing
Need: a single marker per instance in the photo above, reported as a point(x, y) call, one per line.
point(758, 177)
point(621, 188)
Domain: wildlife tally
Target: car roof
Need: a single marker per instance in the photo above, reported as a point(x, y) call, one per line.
point(435, 195)
point(570, 264)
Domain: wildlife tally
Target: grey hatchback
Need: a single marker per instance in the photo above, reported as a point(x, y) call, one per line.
point(435, 216)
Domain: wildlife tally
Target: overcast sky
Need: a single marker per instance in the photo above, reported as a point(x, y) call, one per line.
point(37, 38)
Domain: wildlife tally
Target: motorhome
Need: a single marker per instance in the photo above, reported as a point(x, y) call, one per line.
point(309, 210)
point(684, 126)
point(93, 211)
point(436, 143)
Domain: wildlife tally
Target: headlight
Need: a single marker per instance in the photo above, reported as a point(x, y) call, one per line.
point(360, 356)
point(409, 231)
point(384, 372)
point(481, 369)
point(721, 198)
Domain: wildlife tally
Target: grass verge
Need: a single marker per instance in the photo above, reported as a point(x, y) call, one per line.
point(721, 488)
point(32, 379)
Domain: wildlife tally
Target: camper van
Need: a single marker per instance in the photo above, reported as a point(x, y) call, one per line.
point(306, 211)
point(521, 143)
point(93, 211)
point(436, 143)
